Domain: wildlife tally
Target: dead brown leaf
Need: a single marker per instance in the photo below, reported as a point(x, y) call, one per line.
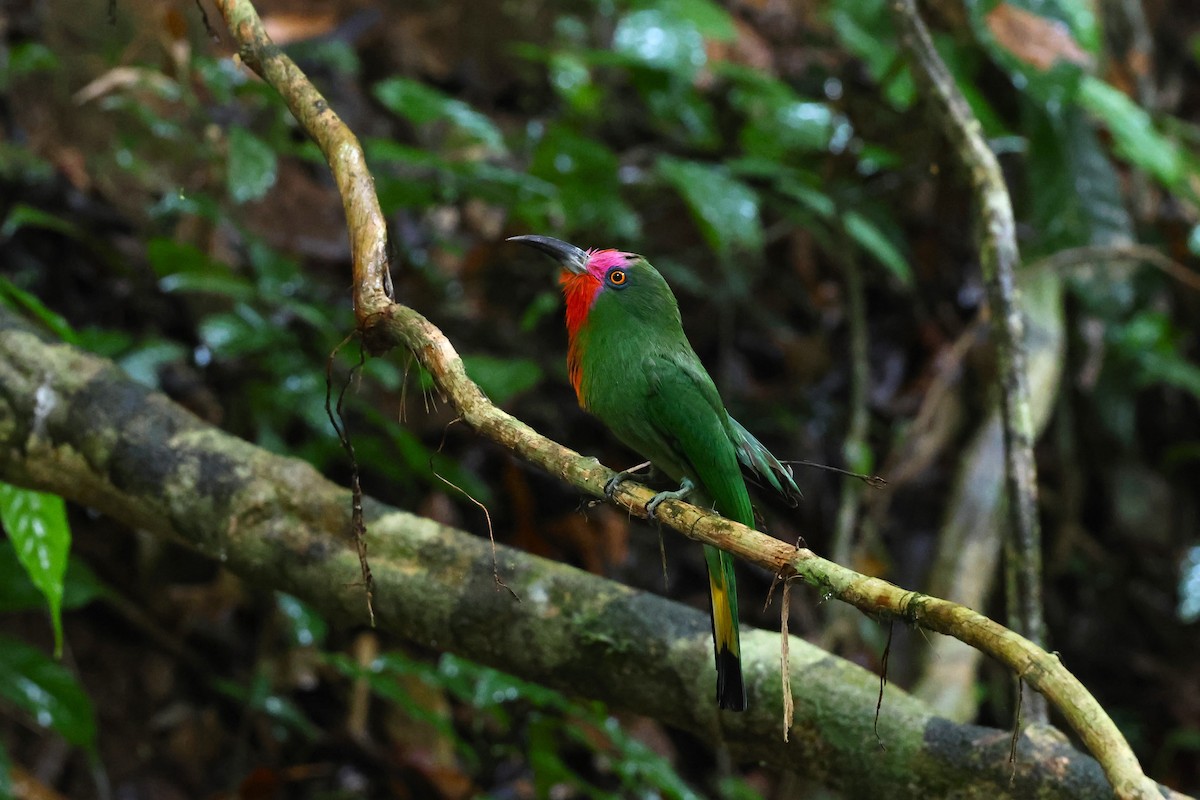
point(1036, 40)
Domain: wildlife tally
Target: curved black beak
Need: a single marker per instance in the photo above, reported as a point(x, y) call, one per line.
point(570, 256)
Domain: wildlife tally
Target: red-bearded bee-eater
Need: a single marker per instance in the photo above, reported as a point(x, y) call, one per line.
point(634, 369)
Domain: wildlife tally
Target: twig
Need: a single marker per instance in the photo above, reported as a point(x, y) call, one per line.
point(998, 258)
point(849, 505)
point(1091, 255)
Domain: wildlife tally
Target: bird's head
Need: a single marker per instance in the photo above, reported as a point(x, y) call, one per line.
point(588, 275)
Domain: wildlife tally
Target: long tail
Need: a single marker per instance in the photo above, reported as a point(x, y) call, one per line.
point(731, 692)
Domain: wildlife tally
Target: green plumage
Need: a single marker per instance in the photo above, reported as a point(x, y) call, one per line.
point(635, 370)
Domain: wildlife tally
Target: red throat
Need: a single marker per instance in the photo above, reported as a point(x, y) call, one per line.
point(580, 291)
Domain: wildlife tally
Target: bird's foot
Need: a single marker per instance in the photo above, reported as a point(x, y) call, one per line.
point(610, 488)
point(685, 489)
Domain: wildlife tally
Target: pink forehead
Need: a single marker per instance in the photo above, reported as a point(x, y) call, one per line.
point(601, 261)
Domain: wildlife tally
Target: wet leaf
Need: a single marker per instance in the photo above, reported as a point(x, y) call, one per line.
point(725, 209)
point(1189, 587)
point(17, 592)
point(306, 626)
point(423, 104)
point(585, 173)
point(864, 29)
point(656, 38)
point(46, 691)
point(1136, 138)
point(36, 524)
point(251, 166)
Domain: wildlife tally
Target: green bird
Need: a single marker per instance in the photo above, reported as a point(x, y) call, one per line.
point(634, 369)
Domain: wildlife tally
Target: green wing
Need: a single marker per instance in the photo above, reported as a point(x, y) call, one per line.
point(692, 426)
point(689, 424)
point(758, 459)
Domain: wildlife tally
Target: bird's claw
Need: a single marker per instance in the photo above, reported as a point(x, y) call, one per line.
point(681, 493)
point(610, 488)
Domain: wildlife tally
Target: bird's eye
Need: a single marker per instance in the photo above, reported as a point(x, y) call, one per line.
point(617, 277)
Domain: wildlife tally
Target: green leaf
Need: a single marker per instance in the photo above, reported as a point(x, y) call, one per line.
point(669, 34)
point(876, 242)
point(22, 215)
point(46, 691)
point(251, 167)
point(725, 209)
point(502, 378)
point(183, 267)
point(22, 301)
point(37, 526)
point(29, 57)
point(143, 361)
point(1189, 587)
point(307, 627)
point(423, 104)
point(865, 30)
point(1133, 131)
point(571, 77)
point(6, 781)
point(585, 173)
point(1074, 196)
point(656, 38)
point(17, 592)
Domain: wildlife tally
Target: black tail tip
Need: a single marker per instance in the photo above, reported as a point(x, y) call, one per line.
point(731, 691)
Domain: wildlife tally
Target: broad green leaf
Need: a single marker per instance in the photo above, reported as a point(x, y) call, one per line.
point(46, 691)
point(423, 104)
point(780, 122)
point(502, 378)
point(864, 28)
point(37, 526)
point(657, 38)
point(725, 209)
point(17, 592)
point(669, 35)
point(251, 166)
point(1074, 196)
point(1136, 138)
point(26, 58)
point(585, 173)
point(571, 77)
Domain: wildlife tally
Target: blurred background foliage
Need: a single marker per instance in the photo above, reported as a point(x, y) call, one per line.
point(160, 207)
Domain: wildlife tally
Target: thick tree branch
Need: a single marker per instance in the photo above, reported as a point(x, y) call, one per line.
point(384, 324)
point(999, 259)
point(74, 424)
